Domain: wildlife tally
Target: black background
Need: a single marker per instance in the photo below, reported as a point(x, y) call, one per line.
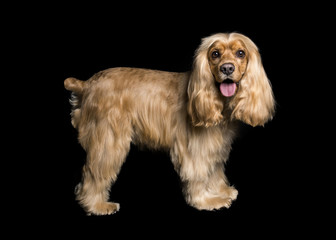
point(268, 166)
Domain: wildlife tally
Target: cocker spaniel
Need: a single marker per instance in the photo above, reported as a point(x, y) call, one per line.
point(192, 115)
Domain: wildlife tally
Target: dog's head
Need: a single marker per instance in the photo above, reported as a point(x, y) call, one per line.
point(227, 67)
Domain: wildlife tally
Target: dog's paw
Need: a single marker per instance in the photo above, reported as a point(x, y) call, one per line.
point(221, 203)
point(213, 203)
point(105, 208)
point(232, 193)
point(225, 203)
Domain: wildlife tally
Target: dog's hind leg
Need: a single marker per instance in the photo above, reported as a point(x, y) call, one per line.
point(107, 147)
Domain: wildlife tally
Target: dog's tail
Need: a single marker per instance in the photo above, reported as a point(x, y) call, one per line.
point(76, 86)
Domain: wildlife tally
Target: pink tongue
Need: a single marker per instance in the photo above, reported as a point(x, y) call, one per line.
point(227, 89)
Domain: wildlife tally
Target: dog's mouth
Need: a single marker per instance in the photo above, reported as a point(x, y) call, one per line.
point(228, 87)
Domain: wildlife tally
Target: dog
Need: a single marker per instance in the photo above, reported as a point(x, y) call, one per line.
point(193, 115)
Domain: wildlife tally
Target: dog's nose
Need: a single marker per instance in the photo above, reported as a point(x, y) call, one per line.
point(227, 68)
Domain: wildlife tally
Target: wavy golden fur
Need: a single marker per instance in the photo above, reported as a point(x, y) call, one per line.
point(190, 114)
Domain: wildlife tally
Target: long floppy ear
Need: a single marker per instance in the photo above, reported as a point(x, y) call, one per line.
point(204, 106)
point(254, 103)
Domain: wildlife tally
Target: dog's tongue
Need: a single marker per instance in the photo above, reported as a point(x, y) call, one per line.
point(227, 89)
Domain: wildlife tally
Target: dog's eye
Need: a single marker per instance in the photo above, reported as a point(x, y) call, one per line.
point(215, 54)
point(240, 54)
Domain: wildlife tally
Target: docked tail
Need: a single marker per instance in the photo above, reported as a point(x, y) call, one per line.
point(76, 86)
